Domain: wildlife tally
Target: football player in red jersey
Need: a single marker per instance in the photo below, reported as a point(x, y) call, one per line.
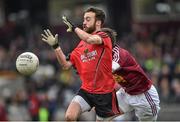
point(93, 60)
point(137, 92)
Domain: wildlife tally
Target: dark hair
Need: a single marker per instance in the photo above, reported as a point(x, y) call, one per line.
point(111, 33)
point(99, 14)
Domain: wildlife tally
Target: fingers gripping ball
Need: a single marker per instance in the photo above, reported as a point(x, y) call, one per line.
point(27, 63)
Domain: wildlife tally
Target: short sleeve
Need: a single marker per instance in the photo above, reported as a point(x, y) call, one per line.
point(105, 38)
point(102, 34)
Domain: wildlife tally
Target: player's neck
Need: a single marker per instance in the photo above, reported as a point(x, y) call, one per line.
point(97, 30)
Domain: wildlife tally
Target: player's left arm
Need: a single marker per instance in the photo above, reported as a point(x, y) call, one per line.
point(91, 39)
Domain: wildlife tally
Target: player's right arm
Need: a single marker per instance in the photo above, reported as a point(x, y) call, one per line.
point(53, 42)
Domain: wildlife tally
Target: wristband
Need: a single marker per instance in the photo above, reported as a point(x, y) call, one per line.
point(73, 28)
point(55, 46)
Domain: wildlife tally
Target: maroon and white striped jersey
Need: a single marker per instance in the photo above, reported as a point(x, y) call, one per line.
point(130, 75)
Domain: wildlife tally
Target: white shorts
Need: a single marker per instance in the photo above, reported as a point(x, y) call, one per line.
point(145, 105)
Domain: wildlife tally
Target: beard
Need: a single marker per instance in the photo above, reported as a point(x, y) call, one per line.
point(90, 29)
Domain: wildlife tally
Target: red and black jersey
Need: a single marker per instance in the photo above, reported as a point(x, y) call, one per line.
point(130, 75)
point(94, 65)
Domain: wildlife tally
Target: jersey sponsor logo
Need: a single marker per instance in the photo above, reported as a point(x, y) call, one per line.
point(119, 78)
point(88, 56)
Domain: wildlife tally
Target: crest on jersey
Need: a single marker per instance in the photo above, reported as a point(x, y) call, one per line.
point(119, 78)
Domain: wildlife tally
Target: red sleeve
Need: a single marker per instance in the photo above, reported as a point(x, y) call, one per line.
point(102, 34)
point(105, 38)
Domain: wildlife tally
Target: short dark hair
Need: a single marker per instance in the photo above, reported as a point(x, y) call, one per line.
point(111, 33)
point(99, 14)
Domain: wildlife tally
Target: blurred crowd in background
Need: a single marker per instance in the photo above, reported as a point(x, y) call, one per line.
point(46, 94)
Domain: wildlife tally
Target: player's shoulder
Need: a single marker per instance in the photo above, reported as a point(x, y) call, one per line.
point(102, 34)
point(116, 48)
point(120, 50)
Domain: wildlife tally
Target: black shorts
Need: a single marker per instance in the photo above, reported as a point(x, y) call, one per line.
point(106, 105)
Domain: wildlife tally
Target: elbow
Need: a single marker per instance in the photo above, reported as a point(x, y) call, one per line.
point(65, 67)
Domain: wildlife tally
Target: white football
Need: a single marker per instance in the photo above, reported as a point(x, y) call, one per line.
point(27, 63)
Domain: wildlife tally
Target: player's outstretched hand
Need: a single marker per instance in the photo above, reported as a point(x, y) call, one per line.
point(69, 24)
point(50, 39)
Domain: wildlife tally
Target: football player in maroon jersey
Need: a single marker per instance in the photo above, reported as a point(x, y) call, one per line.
point(137, 93)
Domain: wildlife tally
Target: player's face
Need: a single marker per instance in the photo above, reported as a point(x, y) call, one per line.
point(89, 23)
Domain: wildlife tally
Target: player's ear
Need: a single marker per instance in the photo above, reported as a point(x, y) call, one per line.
point(98, 22)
